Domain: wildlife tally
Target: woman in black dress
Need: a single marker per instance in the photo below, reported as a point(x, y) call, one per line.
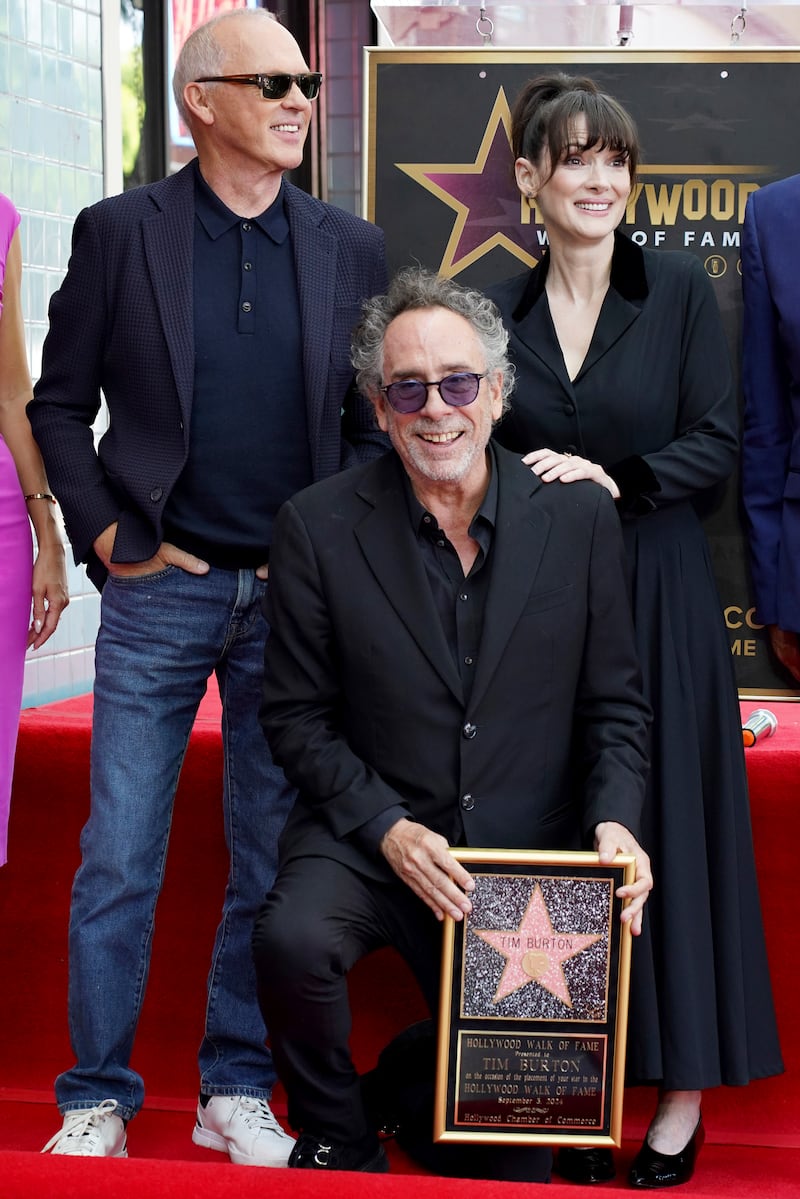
point(623, 377)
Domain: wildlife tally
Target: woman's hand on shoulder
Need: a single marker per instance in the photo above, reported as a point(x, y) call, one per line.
point(550, 465)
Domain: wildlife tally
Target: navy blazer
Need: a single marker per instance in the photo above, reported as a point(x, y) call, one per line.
point(771, 381)
point(122, 321)
point(363, 704)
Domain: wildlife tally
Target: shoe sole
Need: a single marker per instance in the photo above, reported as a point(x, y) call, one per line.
point(120, 1153)
point(207, 1139)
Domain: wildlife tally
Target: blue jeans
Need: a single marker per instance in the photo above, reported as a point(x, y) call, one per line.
point(160, 638)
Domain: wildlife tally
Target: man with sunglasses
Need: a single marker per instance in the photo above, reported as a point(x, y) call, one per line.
point(214, 310)
point(451, 662)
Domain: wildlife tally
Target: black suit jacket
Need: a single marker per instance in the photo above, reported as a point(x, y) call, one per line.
point(363, 705)
point(123, 322)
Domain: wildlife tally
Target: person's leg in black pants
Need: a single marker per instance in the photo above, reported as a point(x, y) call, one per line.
point(318, 921)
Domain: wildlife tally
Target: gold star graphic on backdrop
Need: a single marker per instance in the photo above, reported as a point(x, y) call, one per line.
point(483, 194)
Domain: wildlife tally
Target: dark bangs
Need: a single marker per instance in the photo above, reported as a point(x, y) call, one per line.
point(551, 127)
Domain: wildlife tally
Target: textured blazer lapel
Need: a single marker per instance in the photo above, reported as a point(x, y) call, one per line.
point(169, 251)
point(520, 537)
point(387, 541)
point(315, 252)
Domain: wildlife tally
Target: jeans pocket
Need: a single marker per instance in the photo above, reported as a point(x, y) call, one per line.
point(149, 577)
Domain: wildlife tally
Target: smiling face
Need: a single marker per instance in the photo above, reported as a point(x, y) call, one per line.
point(247, 132)
point(439, 444)
point(584, 197)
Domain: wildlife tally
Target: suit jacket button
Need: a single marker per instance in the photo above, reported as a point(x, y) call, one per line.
point(467, 802)
point(469, 731)
point(156, 494)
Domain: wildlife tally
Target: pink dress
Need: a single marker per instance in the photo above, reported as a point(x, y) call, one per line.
point(16, 563)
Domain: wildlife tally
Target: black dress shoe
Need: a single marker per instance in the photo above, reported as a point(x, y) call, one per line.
point(317, 1153)
point(652, 1169)
point(585, 1165)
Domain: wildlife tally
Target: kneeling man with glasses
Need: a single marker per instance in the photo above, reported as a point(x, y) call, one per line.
point(450, 663)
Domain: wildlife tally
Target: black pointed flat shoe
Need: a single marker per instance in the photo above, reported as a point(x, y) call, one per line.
point(585, 1165)
point(651, 1169)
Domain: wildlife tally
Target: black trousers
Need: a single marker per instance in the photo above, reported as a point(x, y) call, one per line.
point(320, 918)
point(316, 923)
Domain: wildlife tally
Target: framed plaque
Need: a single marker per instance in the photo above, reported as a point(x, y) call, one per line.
point(534, 1002)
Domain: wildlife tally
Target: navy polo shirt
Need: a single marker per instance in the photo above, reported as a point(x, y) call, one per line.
point(248, 436)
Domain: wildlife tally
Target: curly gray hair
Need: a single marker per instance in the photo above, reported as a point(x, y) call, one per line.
point(415, 287)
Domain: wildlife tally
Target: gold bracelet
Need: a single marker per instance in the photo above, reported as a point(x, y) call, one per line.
point(41, 495)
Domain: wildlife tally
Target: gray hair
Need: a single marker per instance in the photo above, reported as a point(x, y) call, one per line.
point(414, 288)
point(201, 53)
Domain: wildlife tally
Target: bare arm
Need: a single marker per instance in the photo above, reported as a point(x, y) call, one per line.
point(50, 595)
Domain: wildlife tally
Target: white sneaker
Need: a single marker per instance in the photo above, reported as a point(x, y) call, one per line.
point(91, 1132)
point(244, 1128)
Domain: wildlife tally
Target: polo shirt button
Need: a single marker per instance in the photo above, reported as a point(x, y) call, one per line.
point(248, 266)
point(469, 731)
point(246, 226)
point(247, 306)
point(467, 802)
point(156, 494)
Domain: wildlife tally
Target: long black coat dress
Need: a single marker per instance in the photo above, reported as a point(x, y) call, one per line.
point(653, 403)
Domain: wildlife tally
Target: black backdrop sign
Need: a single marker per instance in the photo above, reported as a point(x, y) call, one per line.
point(714, 127)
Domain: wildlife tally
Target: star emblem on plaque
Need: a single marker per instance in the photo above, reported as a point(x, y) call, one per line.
point(534, 951)
point(537, 950)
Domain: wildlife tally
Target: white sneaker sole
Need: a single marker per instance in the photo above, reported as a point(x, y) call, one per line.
point(123, 1152)
point(207, 1139)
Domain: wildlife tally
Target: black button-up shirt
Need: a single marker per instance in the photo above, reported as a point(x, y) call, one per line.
point(460, 602)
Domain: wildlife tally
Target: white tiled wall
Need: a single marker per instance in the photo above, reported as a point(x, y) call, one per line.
point(51, 165)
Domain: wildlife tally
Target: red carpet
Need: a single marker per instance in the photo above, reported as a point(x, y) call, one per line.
point(753, 1134)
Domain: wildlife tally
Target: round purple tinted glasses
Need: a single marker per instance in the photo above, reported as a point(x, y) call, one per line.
point(409, 395)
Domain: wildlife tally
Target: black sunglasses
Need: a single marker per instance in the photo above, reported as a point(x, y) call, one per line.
point(273, 87)
point(409, 395)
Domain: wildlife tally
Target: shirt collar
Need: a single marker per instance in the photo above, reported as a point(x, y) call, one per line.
point(486, 514)
point(216, 218)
